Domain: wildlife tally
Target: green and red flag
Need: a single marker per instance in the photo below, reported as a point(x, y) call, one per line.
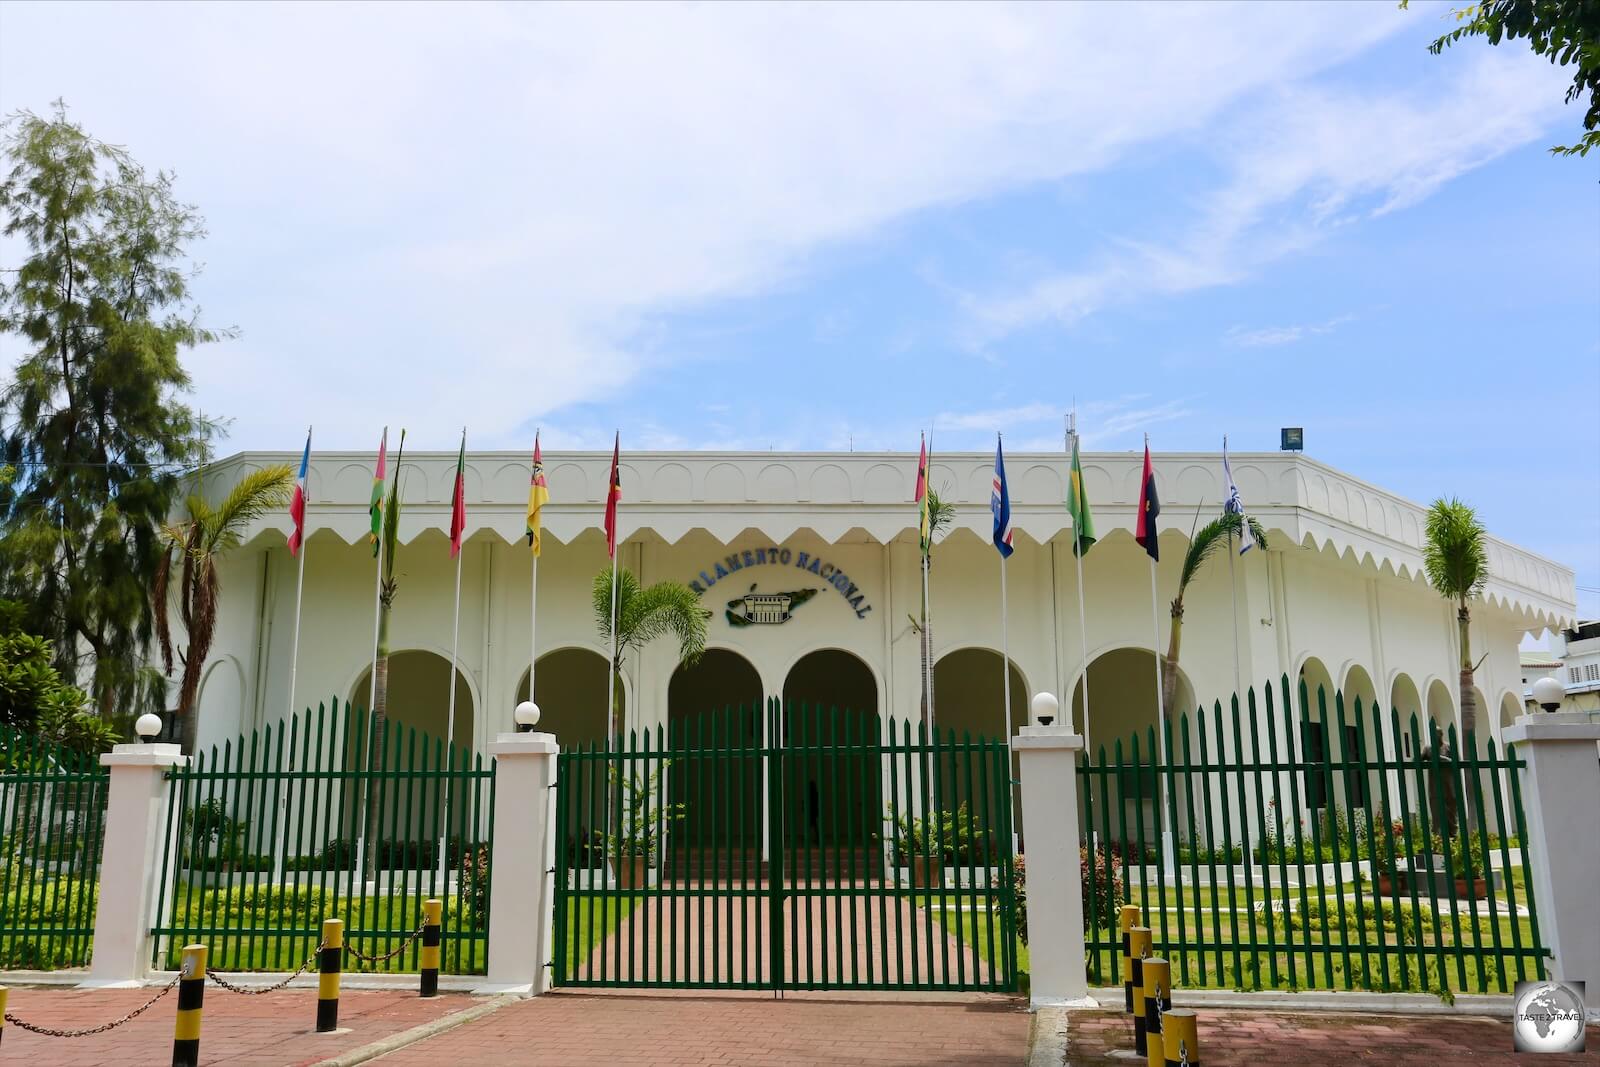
point(458, 500)
point(538, 496)
point(1145, 531)
point(375, 508)
point(1078, 505)
point(613, 498)
point(921, 497)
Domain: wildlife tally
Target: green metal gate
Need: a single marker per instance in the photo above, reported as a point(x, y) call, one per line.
point(800, 848)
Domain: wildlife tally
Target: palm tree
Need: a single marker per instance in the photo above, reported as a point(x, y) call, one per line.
point(941, 513)
point(194, 546)
point(644, 614)
point(1457, 566)
point(1214, 535)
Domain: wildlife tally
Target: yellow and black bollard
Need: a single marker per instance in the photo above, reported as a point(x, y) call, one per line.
point(329, 962)
point(1180, 1037)
point(432, 914)
point(2, 1011)
point(1157, 1002)
point(191, 996)
point(1138, 950)
point(1127, 919)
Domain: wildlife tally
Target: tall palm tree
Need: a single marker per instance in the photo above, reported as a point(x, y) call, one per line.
point(941, 513)
point(1206, 542)
point(1457, 566)
point(644, 614)
point(193, 548)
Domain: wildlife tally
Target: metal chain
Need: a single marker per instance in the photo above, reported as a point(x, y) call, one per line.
point(358, 954)
point(1183, 1051)
point(230, 987)
point(48, 1031)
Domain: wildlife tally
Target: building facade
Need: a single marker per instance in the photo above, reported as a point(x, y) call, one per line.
point(808, 565)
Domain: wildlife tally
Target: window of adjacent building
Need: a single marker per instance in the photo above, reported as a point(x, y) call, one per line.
point(1572, 674)
point(1591, 672)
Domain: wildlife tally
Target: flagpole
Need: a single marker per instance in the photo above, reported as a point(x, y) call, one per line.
point(1167, 852)
point(1083, 626)
point(372, 685)
point(294, 663)
point(450, 722)
point(927, 595)
point(1233, 588)
point(613, 675)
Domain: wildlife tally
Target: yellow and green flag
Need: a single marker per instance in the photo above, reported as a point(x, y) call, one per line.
point(1078, 506)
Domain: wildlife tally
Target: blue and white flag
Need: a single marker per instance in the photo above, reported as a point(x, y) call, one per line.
point(1233, 505)
point(1000, 504)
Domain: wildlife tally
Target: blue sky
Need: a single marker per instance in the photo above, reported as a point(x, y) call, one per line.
point(793, 227)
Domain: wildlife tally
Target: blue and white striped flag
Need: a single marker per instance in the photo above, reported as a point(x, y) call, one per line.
point(1233, 505)
point(1000, 504)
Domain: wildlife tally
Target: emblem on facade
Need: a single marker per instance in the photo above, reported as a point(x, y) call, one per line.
point(766, 609)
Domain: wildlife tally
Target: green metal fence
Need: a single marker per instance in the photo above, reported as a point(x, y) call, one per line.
point(807, 848)
point(308, 819)
point(52, 823)
point(1334, 848)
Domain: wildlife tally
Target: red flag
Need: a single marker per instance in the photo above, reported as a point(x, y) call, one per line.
point(1149, 507)
point(613, 497)
point(458, 502)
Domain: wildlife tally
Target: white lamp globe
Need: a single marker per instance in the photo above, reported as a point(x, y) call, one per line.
point(1045, 707)
point(1547, 693)
point(147, 725)
point(526, 715)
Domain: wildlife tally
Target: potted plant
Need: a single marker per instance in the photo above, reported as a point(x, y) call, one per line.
point(632, 842)
point(929, 844)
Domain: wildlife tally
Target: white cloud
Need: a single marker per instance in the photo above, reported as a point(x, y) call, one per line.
point(1271, 336)
point(423, 214)
point(1308, 162)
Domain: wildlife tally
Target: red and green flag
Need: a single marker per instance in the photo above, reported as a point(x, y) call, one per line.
point(458, 500)
point(375, 508)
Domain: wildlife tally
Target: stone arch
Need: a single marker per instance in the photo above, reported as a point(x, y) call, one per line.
point(1511, 709)
point(221, 702)
point(1122, 698)
point(722, 677)
point(1441, 706)
point(716, 704)
point(417, 713)
point(571, 694)
point(1357, 685)
point(1313, 673)
point(968, 692)
point(830, 696)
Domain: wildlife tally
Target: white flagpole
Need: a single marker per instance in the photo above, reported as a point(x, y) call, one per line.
point(612, 674)
point(372, 684)
point(450, 723)
point(1083, 626)
point(1233, 587)
point(1167, 851)
point(294, 663)
point(533, 626)
point(927, 596)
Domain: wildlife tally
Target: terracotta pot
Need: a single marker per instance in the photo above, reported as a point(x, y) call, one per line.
point(926, 872)
point(633, 872)
point(1479, 888)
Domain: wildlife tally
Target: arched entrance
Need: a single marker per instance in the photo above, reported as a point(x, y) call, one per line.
point(571, 684)
point(1407, 704)
point(416, 710)
point(830, 699)
point(969, 691)
point(715, 705)
point(1441, 708)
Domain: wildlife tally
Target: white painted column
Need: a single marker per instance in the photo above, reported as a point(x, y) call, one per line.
point(136, 810)
point(521, 886)
point(1049, 758)
point(1561, 800)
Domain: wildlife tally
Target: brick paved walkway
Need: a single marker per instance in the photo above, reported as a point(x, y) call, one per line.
point(1288, 1040)
point(270, 1031)
point(838, 940)
point(634, 1030)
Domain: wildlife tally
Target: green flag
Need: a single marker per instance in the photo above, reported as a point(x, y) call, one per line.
point(1078, 506)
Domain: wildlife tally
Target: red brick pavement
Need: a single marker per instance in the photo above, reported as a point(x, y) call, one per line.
point(637, 1030)
point(1281, 1039)
point(270, 1030)
point(836, 940)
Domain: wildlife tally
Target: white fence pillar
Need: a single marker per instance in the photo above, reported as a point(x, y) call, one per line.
point(521, 886)
point(1049, 759)
point(1561, 801)
point(135, 833)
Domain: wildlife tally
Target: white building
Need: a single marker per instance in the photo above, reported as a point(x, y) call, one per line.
point(1577, 660)
point(808, 564)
